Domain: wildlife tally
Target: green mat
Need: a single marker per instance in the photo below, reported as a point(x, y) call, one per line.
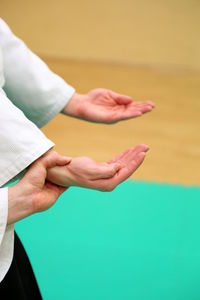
point(141, 242)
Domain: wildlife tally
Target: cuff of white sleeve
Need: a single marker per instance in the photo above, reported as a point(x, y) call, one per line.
point(6, 250)
point(24, 160)
point(61, 100)
point(3, 211)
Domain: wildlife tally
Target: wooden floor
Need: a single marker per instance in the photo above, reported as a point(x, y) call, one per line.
point(172, 130)
point(131, 31)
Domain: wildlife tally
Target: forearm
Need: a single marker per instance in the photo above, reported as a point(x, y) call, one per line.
point(60, 176)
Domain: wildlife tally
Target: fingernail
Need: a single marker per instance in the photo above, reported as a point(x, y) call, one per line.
point(67, 158)
point(142, 154)
point(121, 165)
point(145, 146)
point(151, 103)
point(118, 166)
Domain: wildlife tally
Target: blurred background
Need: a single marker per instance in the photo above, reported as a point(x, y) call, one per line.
point(142, 240)
point(146, 49)
point(151, 32)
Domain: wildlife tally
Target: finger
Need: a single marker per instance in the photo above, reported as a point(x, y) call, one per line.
point(136, 103)
point(125, 115)
point(123, 174)
point(120, 99)
point(138, 108)
point(105, 171)
point(52, 159)
point(132, 113)
point(134, 150)
point(145, 108)
point(127, 171)
point(121, 156)
point(136, 162)
point(117, 157)
point(67, 159)
point(130, 155)
point(150, 103)
point(61, 160)
point(129, 114)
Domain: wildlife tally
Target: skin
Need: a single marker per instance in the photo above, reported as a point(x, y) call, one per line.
point(99, 176)
point(105, 106)
point(49, 176)
point(33, 193)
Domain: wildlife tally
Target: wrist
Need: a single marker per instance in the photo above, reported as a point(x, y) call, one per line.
point(19, 204)
point(60, 176)
point(72, 106)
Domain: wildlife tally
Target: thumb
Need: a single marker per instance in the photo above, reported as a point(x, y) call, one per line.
point(121, 99)
point(52, 159)
point(63, 160)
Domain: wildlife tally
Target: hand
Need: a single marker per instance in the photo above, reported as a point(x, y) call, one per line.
point(84, 172)
point(33, 193)
point(105, 106)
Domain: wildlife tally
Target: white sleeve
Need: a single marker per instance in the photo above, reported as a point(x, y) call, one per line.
point(6, 235)
point(29, 83)
point(3, 211)
point(22, 142)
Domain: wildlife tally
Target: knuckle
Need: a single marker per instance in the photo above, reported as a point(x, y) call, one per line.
point(111, 188)
point(36, 204)
point(108, 188)
point(103, 188)
point(112, 171)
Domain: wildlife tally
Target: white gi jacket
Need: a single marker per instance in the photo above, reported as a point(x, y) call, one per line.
point(30, 96)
